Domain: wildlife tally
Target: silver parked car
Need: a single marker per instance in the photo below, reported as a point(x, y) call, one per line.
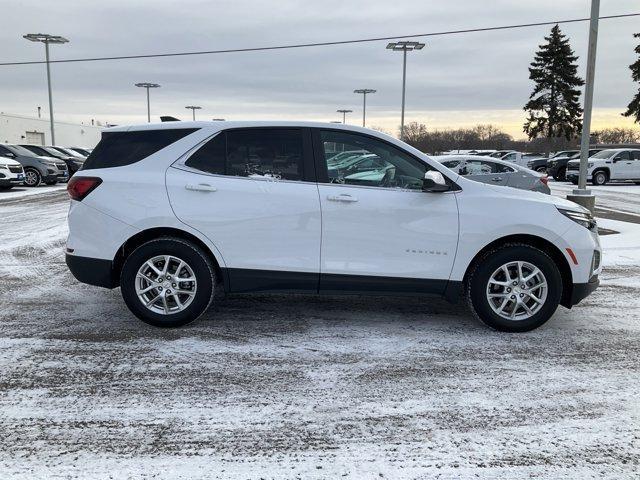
point(496, 172)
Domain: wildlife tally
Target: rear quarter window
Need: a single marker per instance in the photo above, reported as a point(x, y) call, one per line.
point(117, 149)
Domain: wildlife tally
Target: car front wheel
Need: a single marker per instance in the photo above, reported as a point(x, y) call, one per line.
point(514, 288)
point(168, 282)
point(599, 178)
point(32, 177)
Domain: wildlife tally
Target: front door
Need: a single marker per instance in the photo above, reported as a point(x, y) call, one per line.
point(252, 192)
point(622, 166)
point(380, 231)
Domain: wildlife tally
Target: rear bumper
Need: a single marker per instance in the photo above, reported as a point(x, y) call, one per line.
point(583, 290)
point(93, 271)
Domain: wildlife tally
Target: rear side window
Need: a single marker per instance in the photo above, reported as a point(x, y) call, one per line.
point(117, 149)
point(276, 153)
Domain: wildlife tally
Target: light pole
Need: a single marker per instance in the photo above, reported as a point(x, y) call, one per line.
point(581, 195)
point(344, 114)
point(47, 39)
point(364, 92)
point(148, 85)
point(404, 47)
point(193, 109)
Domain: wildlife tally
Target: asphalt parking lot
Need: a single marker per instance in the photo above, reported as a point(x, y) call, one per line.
point(304, 386)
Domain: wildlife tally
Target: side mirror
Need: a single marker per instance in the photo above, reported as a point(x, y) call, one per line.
point(434, 182)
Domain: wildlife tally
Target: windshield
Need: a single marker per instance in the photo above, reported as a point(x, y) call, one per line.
point(565, 153)
point(604, 154)
point(18, 150)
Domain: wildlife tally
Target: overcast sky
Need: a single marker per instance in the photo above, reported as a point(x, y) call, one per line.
point(457, 80)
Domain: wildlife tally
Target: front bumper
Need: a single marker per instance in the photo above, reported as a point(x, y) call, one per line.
point(583, 290)
point(93, 271)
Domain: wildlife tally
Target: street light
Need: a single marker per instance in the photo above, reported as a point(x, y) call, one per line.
point(148, 86)
point(193, 109)
point(364, 92)
point(344, 114)
point(404, 47)
point(47, 39)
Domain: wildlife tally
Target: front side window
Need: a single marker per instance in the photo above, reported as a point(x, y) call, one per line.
point(372, 162)
point(623, 156)
point(635, 154)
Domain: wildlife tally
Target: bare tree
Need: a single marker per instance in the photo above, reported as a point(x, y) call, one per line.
point(617, 135)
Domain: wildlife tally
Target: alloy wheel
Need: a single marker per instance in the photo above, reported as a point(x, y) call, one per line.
point(517, 290)
point(166, 284)
point(31, 178)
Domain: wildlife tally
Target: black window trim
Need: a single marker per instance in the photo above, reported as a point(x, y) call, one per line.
point(308, 167)
point(321, 165)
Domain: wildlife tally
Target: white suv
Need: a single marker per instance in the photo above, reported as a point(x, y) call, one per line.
point(173, 213)
point(606, 165)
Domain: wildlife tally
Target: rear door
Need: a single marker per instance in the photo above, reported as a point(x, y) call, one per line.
point(252, 192)
point(635, 157)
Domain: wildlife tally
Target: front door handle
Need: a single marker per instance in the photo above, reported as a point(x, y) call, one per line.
point(200, 187)
point(496, 179)
point(342, 198)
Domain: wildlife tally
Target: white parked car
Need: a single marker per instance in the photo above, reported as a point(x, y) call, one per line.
point(607, 165)
point(173, 212)
point(11, 174)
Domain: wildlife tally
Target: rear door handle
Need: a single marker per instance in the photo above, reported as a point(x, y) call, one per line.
point(200, 187)
point(342, 198)
point(496, 179)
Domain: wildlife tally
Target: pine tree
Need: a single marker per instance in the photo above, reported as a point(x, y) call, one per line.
point(633, 109)
point(554, 106)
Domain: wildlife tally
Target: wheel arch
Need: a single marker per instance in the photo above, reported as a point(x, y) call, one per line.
point(153, 233)
point(602, 169)
point(545, 245)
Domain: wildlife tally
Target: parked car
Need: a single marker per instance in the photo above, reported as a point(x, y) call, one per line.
point(537, 163)
point(500, 153)
point(73, 163)
point(171, 213)
point(68, 151)
point(557, 165)
point(82, 151)
point(37, 169)
point(496, 172)
point(11, 173)
point(608, 165)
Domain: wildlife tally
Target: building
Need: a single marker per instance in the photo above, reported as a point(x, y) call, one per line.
point(21, 129)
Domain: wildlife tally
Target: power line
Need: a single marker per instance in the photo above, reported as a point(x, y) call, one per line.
point(319, 44)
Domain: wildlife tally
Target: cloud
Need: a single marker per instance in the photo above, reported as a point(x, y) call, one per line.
point(472, 72)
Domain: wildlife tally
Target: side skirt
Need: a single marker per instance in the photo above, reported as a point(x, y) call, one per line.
point(240, 280)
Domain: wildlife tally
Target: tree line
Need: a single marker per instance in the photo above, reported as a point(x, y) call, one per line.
point(554, 112)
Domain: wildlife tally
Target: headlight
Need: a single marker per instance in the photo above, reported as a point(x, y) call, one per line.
point(581, 218)
point(5, 166)
point(529, 164)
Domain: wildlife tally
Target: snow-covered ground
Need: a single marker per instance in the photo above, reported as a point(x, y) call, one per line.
point(20, 192)
point(307, 387)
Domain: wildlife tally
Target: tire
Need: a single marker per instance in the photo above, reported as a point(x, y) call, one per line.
point(599, 178)
point(636, 183)
point(561, 175)
point(51, 182)
point(575, 182)
point(541, 169)
point(8, 187)
point(32, 177)
point(488, 267)
point(201, 267)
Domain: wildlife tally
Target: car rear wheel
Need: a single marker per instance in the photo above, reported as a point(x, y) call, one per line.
point(541, 169)
point(51, 182)
point(32, 177)
point(599, 178)
point(168, 282)
point(561, 176)
point(514, 288)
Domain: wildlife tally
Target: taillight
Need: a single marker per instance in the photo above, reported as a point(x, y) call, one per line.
point(545, 179)
point(80, 187)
